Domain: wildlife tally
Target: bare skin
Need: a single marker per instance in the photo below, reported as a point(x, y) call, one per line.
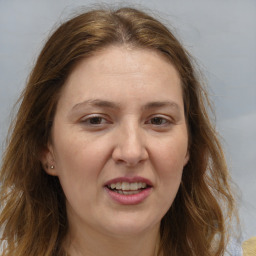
point(120, 117)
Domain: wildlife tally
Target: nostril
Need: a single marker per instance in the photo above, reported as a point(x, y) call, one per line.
point(130, 146)
point(129, 157)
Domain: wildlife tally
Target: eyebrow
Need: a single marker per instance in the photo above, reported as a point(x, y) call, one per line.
point(160, 104)
point(96, 103)
point(113, 105)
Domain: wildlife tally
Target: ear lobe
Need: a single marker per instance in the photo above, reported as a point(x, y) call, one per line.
point(186, 159)
point(48, 161)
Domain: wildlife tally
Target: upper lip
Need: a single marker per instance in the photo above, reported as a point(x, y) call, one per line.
point(129, 180)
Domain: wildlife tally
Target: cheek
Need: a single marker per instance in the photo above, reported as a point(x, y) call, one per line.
point(172, 155)
point(79, 166)
point(80, 160)
point(169, 161)
point(74, 148)
point(168, 168)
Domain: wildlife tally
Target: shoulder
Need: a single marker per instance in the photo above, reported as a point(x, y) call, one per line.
point(249, 247)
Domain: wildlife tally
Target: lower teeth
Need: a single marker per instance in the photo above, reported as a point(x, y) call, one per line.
point(132, 192)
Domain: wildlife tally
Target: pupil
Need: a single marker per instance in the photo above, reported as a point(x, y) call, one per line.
point(95, 120)
point(156, 120)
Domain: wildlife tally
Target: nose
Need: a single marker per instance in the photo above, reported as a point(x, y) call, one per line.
point(130, 148)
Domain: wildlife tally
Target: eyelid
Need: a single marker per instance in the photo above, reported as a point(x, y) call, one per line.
point(86, 118)
point(168, 119)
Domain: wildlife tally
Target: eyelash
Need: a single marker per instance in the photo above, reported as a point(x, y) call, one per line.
point(159, 118)
point(98, 121)
point(90, 118)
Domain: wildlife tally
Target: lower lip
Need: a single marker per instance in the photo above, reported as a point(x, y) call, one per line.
point(129, 199)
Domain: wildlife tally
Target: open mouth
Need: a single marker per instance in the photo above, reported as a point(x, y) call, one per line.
point(128, 188)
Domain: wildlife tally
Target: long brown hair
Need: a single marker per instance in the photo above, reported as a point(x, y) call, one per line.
point(33, 217)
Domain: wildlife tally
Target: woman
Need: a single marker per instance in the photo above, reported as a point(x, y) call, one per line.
point(112, 151)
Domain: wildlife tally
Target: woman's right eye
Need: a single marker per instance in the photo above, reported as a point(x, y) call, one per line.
point(94, 120)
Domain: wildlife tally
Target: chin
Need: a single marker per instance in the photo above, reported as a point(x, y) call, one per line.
point(129, 226)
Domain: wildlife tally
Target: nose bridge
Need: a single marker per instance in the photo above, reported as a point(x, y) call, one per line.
point(132, 137)
point(130, 147)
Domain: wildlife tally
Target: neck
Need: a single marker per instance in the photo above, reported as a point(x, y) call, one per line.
point(91, 243)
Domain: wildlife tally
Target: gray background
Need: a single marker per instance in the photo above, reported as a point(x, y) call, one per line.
point(221, 34)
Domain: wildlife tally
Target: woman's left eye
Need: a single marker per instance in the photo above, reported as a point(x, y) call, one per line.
point(158, 121)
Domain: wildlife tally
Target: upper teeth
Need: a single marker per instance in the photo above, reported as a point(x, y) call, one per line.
point(127, 185)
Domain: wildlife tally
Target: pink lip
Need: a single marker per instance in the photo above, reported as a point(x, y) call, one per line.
point(129, 199)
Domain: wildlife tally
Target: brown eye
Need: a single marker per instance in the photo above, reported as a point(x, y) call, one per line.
point(158, 121)
point(95, 120)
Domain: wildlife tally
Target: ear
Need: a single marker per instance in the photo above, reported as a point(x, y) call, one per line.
point(186, 159)
point(48, 160)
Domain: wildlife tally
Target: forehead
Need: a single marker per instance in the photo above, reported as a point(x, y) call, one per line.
point(124, 59)
point(118, 71)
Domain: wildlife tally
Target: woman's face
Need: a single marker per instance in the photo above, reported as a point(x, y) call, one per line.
point(119, 141)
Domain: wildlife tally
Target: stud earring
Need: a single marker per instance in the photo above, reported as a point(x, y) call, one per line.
point(52, 166)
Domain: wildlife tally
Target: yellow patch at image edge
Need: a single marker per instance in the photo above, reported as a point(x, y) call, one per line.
point(249, 247)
